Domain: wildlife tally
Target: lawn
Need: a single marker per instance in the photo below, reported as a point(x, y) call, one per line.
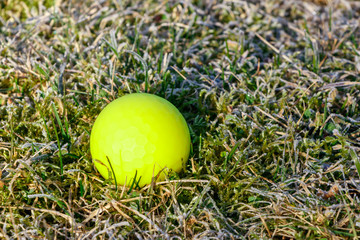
point(270, 91)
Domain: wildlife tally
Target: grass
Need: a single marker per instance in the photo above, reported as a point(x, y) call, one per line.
point(270, 90)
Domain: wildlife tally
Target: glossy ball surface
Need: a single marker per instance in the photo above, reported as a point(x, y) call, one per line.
point(139, 135)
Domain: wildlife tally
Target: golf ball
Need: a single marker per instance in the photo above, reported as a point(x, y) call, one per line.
point(137, 137)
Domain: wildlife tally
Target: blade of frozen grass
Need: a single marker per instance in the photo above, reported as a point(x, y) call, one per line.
point(60, 203)
point(133, 183)
point(12, 137)
point(75, 100)
point(59, 151)
point(330, 19)
point(112, 171)
point(324, 117)
point(113, 49)
point(195, 202)
point(58, 120)
point(50, 195)
point(42, 71)
point(143, 63)
point(228, 158)
point(44, 121)
point(82, 189)
point(355, 158)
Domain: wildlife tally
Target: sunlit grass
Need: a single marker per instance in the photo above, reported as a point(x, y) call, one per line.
point(270, 91)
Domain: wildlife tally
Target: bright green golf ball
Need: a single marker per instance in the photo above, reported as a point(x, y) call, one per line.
point(139, 134)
